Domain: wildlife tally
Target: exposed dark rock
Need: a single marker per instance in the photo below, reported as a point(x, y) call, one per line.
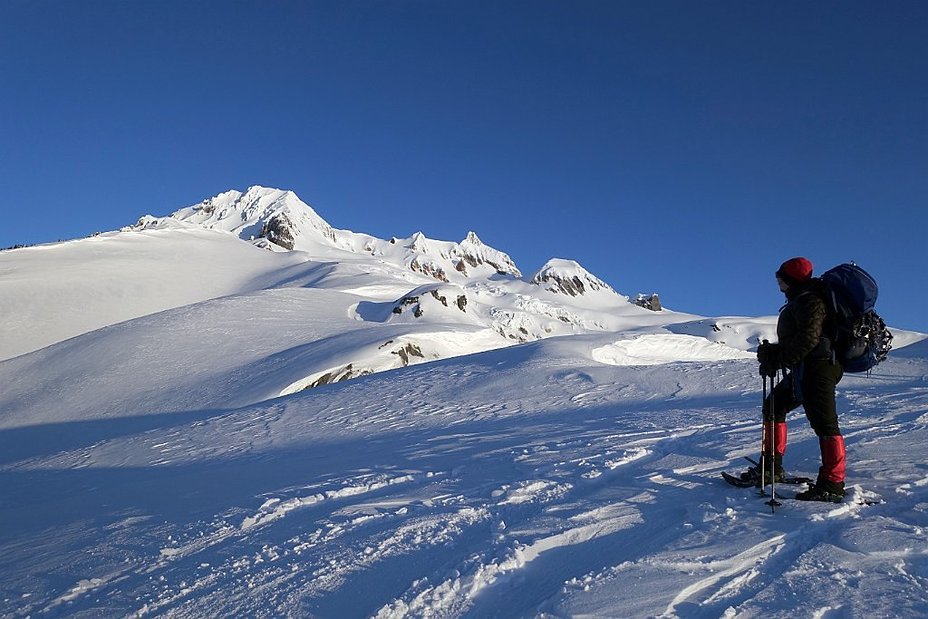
point(415, 302)
point(571, 285)
point(649, 301)
point(428, 268)
point(407, 351)
point(338, 375)
point(476, 253)
point(279, 230)
point(405, 302)
point(564, 285)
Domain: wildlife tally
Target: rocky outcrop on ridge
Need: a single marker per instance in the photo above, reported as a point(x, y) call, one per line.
point(568, 277)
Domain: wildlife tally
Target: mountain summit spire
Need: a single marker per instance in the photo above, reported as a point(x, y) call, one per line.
point(261, 212)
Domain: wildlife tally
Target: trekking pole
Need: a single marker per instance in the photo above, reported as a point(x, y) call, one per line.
point(773, 503)
point(763, 438)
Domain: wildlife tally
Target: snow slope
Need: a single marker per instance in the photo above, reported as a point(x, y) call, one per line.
point(528, 481)
point(174, 441)
point(49, 293)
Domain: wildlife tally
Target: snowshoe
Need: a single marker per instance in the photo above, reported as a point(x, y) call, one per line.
point(752, 477)
point(824, 491)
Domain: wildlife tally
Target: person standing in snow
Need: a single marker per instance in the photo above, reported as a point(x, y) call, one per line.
point(811, 375)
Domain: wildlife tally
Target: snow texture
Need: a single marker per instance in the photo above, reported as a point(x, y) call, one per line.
point(179, 438)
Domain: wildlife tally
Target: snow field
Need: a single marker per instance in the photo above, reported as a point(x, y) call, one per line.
point(594, 491)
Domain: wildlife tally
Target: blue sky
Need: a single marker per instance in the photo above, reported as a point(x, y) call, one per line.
point(685, 148)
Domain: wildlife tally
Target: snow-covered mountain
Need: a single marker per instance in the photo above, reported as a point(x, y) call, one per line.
point(173, 443)
point(277, 219)
point(436, 298)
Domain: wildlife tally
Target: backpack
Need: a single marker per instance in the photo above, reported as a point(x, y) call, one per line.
point(860, 339)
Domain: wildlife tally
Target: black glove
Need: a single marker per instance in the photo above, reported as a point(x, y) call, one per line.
point(767, 352)
point(769, 369)
point(769, 357)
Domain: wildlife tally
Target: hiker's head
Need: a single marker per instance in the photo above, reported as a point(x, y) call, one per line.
point(794, 271)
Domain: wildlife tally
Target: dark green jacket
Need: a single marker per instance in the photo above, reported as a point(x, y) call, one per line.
point(803, 326)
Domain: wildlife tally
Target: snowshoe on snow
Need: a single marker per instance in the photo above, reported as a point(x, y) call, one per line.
point(751, 478)
point(824, 491)
point(771, 474)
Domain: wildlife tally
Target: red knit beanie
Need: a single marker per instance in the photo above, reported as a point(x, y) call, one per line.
point(795, 270)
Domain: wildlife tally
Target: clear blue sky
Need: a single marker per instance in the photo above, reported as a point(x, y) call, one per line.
point(684, 147)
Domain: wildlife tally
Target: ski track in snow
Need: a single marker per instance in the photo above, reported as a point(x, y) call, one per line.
point(593, 497)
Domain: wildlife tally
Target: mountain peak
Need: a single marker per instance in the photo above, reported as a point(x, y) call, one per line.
point(277, 215)
point(418, 242)
point(474, 252)
point(472, 239)
point(568, 277)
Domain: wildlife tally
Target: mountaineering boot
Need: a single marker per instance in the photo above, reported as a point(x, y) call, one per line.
point(825, 491)
point(775, 472)
point(829, 486)
point(771, 473)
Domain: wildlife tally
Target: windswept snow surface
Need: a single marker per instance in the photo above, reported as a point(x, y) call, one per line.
point(528, 481)
point(507, 447)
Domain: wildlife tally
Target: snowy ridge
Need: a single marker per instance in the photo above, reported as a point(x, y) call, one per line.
point(278, 219)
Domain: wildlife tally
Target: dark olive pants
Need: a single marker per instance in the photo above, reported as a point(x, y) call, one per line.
point(815, 391)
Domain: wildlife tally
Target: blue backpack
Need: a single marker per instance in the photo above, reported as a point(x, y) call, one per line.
point(860, 339)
